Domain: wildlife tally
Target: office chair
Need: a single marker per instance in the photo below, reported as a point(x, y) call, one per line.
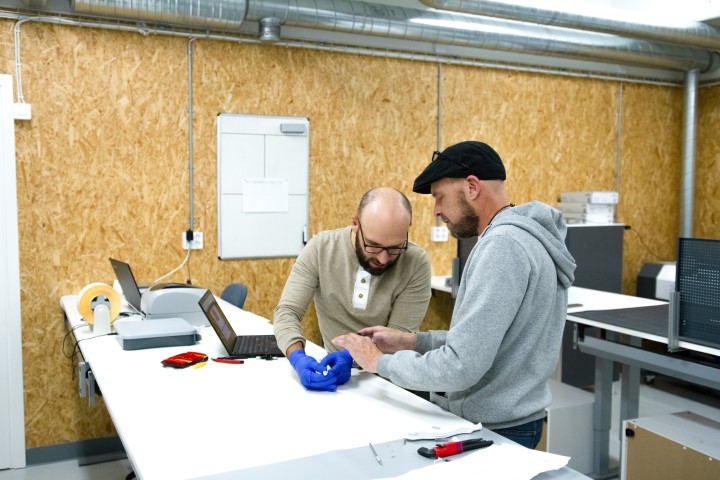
point(235, 293)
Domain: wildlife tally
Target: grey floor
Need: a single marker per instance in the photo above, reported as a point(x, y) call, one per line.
point(70, 470)
point(662, 396)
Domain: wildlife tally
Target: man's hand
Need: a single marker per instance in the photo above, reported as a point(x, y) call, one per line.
point(362, 349)
point(340, 364)
point(311, 372)
point(389, 340)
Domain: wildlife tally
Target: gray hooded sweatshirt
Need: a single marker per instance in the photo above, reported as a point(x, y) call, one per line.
point(504, 340)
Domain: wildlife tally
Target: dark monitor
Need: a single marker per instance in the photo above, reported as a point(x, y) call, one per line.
point(598, 254)
point(464, 247)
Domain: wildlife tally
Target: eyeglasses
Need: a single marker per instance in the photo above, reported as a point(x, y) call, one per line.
point(393, 251)
point(439, 156)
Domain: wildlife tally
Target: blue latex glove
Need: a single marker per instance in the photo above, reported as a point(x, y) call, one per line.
point(340, 364)
point(310, 372)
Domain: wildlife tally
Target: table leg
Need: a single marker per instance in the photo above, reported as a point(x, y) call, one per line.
point(630, 389)
point(602, 410)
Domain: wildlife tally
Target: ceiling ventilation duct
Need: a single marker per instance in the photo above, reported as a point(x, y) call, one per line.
point(205, 14)
point(695, 34)
point(429, 26)
point(480, 32)
point(34, 3)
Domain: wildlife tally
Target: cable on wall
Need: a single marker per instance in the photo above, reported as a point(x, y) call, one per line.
point(191, 165)
point(58, 20)
point(618, 139)
point(18, 67)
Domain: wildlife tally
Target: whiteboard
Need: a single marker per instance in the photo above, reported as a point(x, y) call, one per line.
point(12, 408)
point(263, 185)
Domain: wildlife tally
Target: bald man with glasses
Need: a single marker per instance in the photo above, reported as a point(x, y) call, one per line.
point(366, 274)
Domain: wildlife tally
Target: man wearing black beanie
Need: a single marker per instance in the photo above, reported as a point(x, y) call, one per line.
point(492, 365)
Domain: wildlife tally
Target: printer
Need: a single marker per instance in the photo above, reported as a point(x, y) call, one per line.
point(173, 300)
point(656, 280)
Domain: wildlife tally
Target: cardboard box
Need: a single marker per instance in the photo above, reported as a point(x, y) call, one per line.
point(681, 445)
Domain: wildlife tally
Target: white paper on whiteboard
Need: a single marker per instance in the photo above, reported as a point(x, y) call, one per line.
point(265, 195)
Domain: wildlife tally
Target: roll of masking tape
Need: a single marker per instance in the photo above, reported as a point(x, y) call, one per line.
point(94, 294)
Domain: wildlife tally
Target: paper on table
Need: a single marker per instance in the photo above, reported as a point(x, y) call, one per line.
point(435, 432)
point(502, 460)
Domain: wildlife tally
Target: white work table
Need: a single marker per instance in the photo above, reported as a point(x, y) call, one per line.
point(255, 420)
point(622, 333)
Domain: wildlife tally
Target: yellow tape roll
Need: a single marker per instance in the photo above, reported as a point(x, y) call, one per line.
point(92, 291)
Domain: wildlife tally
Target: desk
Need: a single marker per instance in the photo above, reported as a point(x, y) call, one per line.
point(439, 283)
point(221, 419)
point(631, 358)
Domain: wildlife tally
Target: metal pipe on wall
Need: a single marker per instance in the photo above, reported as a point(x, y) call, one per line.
point(191, 165)
point(687, 187)
point(618, 141)
point(439, 144)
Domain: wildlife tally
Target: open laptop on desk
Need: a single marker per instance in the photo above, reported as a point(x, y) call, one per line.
point(127, 283)
point(242, 346)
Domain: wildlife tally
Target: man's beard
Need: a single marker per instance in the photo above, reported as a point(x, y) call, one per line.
point(467, 226)
point(365, 263)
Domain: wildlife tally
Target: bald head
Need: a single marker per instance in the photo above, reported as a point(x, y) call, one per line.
point(382, 221)
point(385, 202)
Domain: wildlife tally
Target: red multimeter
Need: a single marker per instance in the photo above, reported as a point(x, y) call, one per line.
point(186, 359)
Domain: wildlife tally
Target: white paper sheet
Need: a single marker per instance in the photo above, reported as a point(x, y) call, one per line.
point(261, 195)
point(502, 460)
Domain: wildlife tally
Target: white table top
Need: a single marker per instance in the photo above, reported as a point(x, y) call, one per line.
point(193, 422)
point(439, 282)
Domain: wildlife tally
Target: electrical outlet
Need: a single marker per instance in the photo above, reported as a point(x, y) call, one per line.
point(439, 234)
point(22, 111)
point(197, 241)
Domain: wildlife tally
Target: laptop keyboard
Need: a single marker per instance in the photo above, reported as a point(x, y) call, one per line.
point(255, 345)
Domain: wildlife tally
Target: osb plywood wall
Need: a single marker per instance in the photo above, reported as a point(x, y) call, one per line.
point(103, 165)
point(549, 144)
point(707, 177)
point(650, 176)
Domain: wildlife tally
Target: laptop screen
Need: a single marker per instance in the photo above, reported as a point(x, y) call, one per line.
point(217, 319)
point(127, 283)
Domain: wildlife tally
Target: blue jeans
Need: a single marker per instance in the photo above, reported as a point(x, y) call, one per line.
point(528, 434)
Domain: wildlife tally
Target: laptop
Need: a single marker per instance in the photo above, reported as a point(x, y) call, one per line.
point(242, 346)
point(127, 283)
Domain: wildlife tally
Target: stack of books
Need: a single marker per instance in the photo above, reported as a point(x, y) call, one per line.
point(588, 207)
